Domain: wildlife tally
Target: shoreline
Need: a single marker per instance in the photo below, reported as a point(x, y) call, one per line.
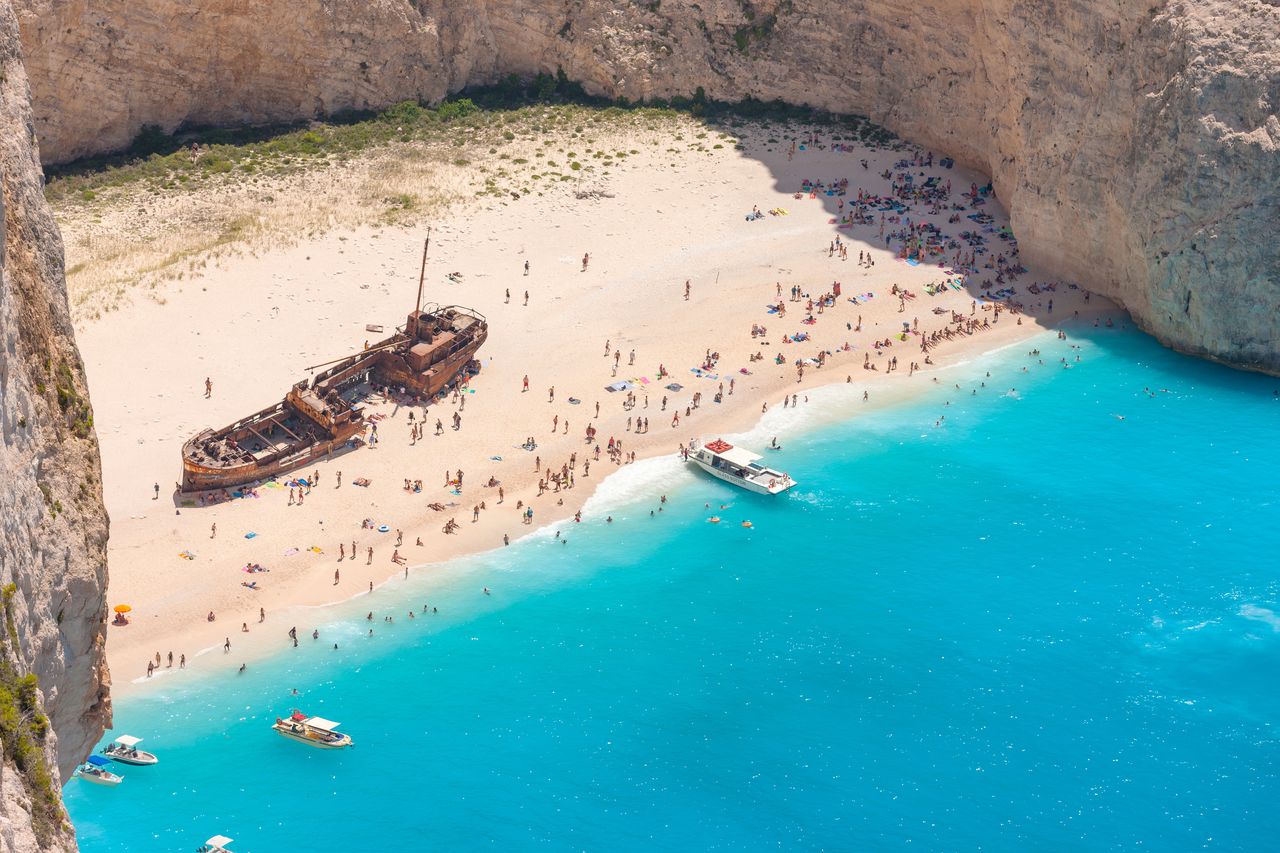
point(254, 325)
point(260, 647)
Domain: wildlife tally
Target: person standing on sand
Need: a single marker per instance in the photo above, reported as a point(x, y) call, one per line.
point(687, 289)
point(182, 662)
point(226, 646)
point(213, 530)
point(336, 576)
point(586, 258)
point(526, 267)
point(339, 486)
point(370, 563)
point(507, 299)
point(208, 387)
point(526, 298)
point(157, 488)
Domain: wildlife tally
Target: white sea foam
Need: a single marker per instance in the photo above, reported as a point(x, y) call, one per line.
point(637, 481)
point(1261, 614)
point(817, 499)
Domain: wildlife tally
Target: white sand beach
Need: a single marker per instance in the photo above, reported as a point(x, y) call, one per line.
point(253, 324)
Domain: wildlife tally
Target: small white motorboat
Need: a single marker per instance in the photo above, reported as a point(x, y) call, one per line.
point(95, 770)
point(217, 844)
point(125, 749)
point(740, 467)
point(315, 731)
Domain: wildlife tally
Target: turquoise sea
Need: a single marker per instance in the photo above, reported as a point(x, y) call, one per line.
point(1035, 626)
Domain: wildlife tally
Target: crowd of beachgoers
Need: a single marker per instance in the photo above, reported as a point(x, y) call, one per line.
point(694, 297)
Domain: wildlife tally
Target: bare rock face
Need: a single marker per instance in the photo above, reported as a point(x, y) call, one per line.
point(1135, 142)
point(53, 526)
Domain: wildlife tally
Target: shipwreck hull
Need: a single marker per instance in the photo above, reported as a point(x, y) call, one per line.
point(203, 478)
point(315, 421)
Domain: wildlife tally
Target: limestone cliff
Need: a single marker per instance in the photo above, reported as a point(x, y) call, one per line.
point(1135, 142)
point(52, 522)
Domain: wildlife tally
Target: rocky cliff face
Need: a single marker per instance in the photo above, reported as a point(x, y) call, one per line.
point(1135, 142)
point(53, 526)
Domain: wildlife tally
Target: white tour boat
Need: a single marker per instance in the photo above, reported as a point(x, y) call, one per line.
point(739, 466)
point(217, 844)
point(125, 749)
point(316, 731)
point(95, 770)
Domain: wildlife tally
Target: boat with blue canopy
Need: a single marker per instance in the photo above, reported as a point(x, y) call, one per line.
point(95, 770)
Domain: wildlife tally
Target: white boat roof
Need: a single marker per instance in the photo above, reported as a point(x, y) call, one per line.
point(128, 740)
point(738, 456)
point(322, 723)
point(219, 841)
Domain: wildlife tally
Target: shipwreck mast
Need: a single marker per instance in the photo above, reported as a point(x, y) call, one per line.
point(417, 308)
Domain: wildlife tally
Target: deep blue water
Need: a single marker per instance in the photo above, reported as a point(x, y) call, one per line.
point(1034, 626)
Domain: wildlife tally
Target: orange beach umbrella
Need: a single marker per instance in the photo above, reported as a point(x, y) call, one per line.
point(123, 608)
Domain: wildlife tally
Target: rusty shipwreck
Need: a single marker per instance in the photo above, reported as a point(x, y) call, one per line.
point(320, 417)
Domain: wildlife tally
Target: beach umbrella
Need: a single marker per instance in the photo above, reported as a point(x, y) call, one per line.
point(123, 608)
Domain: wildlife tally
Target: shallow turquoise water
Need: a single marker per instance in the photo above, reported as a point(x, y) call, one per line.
point(1037, 625)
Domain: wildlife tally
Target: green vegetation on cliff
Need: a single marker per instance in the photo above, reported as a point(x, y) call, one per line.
point(23, 727)
point(494, 115)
